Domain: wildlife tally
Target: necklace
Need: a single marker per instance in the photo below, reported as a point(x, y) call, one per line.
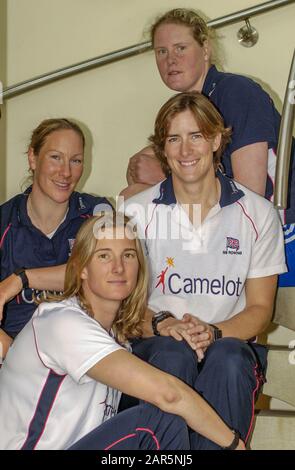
point(44, 228)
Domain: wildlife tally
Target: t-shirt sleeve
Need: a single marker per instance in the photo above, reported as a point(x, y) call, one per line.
point(268, 256)
point(249, 110)
point(69, 342)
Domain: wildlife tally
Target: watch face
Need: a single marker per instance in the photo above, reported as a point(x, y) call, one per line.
point(217, 333)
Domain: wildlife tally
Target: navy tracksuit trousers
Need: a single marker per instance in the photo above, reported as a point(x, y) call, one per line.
point(143, 427)
point(229, 377)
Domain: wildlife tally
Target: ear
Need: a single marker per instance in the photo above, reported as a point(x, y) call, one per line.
point(32, 159)
point(216, 142)
point(207, 49)
point(84, 273)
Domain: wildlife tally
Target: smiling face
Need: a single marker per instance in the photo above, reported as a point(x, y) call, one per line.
point(112, 271)
point(182, 62)
point(189, 154)
point(58, 166)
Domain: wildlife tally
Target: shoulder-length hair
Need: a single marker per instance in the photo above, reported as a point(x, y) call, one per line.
point(206, 115)
point(130, 316)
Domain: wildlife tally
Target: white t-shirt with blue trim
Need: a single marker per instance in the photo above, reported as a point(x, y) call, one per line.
point(47, 401)
point(202, 269)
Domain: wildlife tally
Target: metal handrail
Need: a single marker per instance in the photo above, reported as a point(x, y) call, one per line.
point(285, 142)
point(64, 72)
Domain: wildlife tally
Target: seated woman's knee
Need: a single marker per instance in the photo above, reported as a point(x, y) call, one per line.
point(231, 353)
point(169, 355)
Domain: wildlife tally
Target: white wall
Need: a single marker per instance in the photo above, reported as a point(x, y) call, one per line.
point(116, 104)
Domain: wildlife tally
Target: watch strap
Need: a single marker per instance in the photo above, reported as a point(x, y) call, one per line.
point(21, 272)
point(217, 333)
point(157, 318)
point(235, 441)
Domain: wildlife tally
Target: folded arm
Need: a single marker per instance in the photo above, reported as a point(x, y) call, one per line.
point(256, 316)
point(249, 165)
point(125, 372)
point(51, 278)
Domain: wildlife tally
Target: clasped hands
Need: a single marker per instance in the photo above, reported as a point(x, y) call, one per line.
point(198, 334)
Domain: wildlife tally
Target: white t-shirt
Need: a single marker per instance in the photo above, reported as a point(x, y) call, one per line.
point(203, 270)
point(46, 399)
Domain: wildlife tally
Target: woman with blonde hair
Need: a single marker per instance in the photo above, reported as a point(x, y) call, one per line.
point(61, 381)
point(38, 227)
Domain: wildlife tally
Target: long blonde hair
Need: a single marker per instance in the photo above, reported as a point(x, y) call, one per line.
point(128, 322)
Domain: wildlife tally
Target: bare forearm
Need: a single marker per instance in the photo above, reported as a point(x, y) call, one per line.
point(199, 415)
point(248, 323)
point(256, 316)
point(47, 278)
point(147, 323)
point(249, 165)
point(125, 372)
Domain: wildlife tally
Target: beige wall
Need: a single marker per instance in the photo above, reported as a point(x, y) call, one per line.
point(117, 103)
point(3, 48)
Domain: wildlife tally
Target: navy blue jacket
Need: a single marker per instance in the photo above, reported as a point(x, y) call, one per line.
point(251, 113)
point(24, 245)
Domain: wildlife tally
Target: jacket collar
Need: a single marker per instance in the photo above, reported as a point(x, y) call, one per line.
point(230, 193)
point(77, 206)
point(211, 80)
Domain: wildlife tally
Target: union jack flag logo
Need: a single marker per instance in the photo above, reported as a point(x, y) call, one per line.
point(232, 243)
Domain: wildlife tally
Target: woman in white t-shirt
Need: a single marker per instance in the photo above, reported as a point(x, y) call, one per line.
point(62, 377)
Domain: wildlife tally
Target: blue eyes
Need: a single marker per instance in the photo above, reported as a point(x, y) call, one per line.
point(75, 161)
point(194, 138)
point(178, 49)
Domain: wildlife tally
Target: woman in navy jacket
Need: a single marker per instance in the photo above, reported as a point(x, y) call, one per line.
point(39, 226)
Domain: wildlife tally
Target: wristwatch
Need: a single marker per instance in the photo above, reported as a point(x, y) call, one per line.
point(235, 441)
point(217, 333)
point(21, 272)
point(157, 318)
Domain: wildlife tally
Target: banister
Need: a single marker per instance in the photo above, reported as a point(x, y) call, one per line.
point(285, 142)
point(64, 72)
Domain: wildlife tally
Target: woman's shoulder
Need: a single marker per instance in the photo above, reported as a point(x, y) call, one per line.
point(90, 202)
point(11, 208)
point(235, 83)
point(13, 201)
point(67, 306)
point(59, 316)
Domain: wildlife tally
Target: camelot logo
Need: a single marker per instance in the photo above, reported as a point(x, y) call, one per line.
point(292, 353)
point(161, 276)
point(177, 284)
